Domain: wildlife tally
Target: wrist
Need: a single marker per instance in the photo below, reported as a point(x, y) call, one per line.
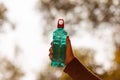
point(69, 60)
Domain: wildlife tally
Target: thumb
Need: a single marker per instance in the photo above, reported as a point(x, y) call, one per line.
point(68, 43)
point(69, 53)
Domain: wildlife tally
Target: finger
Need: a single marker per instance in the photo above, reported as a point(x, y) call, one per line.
point(50, 56)
point(69, 53)
point(50, 50)
point(68, 42)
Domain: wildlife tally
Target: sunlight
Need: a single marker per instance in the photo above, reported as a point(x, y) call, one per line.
point(28, 35)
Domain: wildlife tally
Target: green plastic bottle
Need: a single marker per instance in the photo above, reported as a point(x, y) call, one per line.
point(59, 45)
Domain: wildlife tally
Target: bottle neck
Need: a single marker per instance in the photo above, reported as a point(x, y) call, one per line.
point(59, 28)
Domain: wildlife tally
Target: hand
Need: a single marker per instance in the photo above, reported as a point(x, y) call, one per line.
point(69, 52)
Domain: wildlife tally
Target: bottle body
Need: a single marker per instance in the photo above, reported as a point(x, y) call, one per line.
point(59, 47)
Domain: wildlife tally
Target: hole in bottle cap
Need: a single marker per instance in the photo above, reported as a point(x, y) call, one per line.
point(60, 22)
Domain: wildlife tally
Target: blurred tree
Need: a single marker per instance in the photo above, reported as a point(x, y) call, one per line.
point(84, 55)
point(3, 18)
point(2, 11)
point(50, 73)
point(8, 71)
point(114, 73)
point(87, 58)
point(89, 14)
point(75, 12)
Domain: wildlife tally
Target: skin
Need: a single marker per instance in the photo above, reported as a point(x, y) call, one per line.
point(83, 73)
point(69, 52)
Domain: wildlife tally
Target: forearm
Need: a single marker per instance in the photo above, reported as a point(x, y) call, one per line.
point(79, 72)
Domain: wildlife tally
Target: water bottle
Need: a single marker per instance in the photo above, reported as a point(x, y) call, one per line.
point(59, 45)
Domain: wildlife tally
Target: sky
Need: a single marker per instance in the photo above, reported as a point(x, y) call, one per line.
point(28, 36)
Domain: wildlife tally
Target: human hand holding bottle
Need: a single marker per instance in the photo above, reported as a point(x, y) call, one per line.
point(74, 68)
point(69, 52)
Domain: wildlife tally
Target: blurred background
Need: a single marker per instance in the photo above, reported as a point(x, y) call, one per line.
point(26, 28)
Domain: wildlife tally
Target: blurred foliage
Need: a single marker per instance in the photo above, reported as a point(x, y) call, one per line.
point(3, 17)
point(89, 14)
point(50, 73)
point(86, 57)
point(2, 11)
point(93, 12)
point(114, 73)
point(8, 71)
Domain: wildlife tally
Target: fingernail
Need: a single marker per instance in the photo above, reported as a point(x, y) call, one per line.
point(67, 37)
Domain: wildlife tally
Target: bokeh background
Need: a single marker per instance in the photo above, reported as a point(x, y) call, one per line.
point(26, 28)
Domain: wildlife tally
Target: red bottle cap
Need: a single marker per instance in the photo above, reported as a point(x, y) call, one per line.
point(60, 23)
